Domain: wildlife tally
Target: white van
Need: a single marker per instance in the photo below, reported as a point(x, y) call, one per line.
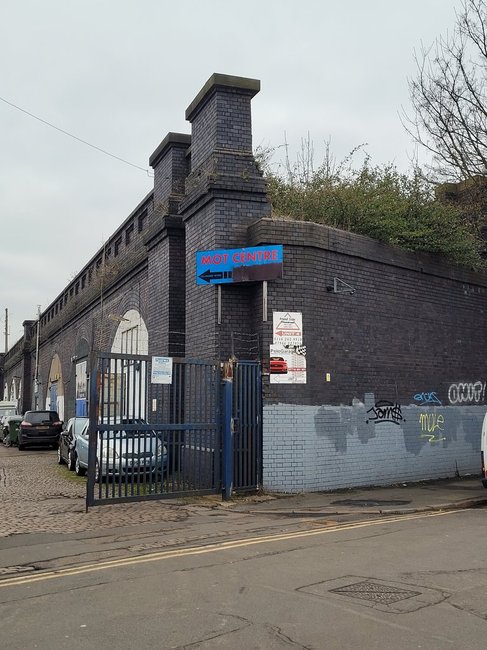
point(7, 408)
point(483, 452)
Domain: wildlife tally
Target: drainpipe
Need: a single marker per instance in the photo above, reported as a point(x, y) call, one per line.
point(36, 373)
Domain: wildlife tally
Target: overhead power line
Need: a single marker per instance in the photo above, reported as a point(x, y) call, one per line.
point(75, 137)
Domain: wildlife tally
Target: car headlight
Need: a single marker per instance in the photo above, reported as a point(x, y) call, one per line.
point(109, 452)
point(161, 450)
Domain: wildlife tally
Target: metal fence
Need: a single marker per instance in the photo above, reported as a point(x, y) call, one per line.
point(151, 440)
point(247, 426)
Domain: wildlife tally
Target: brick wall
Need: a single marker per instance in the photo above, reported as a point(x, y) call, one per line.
point(225, 193)
point(312, 448)
point(413, 323)
point(405, 356)
point(111, 283)
point(396, 382)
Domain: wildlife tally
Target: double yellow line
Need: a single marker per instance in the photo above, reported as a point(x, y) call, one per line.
point(210, 548)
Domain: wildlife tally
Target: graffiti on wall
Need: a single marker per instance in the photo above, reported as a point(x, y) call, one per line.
point(427, 398)
point(385, 411)
point(467, 392)
point(432, 426)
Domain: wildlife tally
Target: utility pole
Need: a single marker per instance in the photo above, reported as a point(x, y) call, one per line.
point(36, 374)
point(6, 330)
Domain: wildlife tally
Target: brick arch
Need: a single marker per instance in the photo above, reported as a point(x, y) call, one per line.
point(55, 387)
point(132, 336)
point(82, 348)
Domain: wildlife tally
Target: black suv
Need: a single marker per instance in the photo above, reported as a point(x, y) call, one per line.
point(40, 428)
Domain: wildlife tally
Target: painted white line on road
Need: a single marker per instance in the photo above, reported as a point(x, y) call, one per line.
point(211, 548)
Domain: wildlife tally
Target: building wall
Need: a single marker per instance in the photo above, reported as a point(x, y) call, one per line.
point(225, 193)
point(313, 448)
point(113, 282)
point(413, 323)
point(396, 376)
point(396, 382)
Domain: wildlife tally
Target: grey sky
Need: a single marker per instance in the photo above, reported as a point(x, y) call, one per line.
point(120, 75)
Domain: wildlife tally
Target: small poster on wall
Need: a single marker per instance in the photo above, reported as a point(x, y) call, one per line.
point(81, 390)
point(81, 382)
point(161, 370)
point(287, 328)
point(287, 364)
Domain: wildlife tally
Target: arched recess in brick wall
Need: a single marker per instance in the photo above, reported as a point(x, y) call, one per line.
point(131, 337)
point(55, 388)
point(15, 393)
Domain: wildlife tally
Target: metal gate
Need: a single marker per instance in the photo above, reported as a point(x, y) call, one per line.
point(247, 426)
point(150, 440)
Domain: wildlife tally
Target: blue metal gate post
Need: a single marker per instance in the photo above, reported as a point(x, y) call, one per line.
point(227, 439)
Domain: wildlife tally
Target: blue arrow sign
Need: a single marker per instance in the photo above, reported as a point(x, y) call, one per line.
point(225, 266)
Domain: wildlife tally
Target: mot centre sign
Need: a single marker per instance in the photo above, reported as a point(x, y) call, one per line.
point(226, 266)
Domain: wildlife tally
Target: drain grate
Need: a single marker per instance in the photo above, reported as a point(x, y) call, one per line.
point(390, 597)
point(377, 593)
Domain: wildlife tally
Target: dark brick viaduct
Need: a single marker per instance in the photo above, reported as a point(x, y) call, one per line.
point(396, 376)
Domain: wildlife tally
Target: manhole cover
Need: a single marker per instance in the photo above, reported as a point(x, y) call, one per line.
point(390, 597)
point(369, 502)
point(375, 592)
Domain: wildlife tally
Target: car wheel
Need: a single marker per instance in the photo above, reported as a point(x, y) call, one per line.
point(59, 457)
point(80, 471)
point(71, 461)
point(97, 473)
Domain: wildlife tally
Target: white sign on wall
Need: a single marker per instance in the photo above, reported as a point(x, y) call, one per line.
point(287, 328)
point(161, 370)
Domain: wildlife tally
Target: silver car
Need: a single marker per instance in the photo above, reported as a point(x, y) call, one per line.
point(67, 441)
point(122, 453)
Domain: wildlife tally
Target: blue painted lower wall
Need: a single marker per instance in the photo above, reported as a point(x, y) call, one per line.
point(312, 448)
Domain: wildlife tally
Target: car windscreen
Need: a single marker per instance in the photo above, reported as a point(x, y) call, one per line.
point(79, 423)
point(42, 417)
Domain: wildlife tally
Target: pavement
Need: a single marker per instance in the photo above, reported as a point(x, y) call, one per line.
point(39, 496)
point(402, 498)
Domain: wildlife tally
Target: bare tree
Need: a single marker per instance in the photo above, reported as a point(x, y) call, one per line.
point(449, 97)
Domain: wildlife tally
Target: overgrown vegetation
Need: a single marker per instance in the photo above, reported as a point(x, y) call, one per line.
point(378, 201)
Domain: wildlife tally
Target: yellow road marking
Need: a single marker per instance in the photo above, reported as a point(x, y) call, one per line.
point(210, 548)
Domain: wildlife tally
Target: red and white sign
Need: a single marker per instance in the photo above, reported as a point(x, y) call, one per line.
point(286, 366)
point(287, 328)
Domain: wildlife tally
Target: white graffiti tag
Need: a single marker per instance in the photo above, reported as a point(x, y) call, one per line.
point(463, 393)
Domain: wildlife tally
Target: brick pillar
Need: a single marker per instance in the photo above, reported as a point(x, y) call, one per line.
point(28, 366)
point(166, 249)
point(225, 193)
